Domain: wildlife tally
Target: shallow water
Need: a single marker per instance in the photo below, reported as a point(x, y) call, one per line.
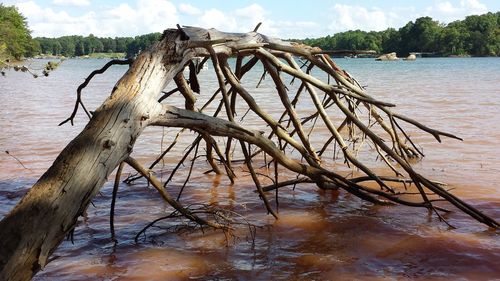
point(320, 235)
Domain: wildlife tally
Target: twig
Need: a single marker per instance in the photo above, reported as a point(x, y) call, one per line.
point(86, 82)
point(113, 201)
point(17, 159)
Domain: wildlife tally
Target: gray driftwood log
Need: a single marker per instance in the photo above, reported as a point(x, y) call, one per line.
point(49, 211)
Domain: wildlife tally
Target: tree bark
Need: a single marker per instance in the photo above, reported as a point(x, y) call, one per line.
point(49, 211)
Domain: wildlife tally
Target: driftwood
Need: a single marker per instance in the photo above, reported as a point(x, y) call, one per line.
point(49, 211)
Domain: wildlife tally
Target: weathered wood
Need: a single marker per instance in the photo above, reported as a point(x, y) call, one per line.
point(49, 211)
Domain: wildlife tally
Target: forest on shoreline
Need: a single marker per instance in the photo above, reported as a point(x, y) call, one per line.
point(473, 36)
point(477, 35)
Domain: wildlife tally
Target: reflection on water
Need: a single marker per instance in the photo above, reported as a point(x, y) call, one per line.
point(321, 235)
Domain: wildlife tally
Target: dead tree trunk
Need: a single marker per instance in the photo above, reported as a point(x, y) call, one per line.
point(36, 226)
point(40, 221)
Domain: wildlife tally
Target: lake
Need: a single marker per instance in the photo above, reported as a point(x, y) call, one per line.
point(320, 235)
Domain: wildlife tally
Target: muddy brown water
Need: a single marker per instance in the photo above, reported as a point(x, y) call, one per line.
point(320, 235)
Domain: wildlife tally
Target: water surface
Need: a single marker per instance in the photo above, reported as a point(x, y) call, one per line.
point(320, 235)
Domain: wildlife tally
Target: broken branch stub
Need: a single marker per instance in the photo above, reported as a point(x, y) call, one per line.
point(341, 109)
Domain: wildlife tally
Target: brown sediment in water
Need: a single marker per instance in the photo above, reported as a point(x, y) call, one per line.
point(322, 235)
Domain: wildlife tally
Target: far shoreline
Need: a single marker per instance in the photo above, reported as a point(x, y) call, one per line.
point(123, 56)
point(90, 56)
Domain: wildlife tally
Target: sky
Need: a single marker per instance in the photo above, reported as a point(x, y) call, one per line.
point(285, 19)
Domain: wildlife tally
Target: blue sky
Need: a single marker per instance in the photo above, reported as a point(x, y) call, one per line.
point(290, 19)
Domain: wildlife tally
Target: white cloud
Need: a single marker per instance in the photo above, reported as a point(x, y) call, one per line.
point(473, 6)
point(189, 10)
point(293, 30)
point(240, 20)
point(246, 19)
point(214, 18)
point(46, 22)
point(154, 15)
point(352, 17)
point(347, 17)
point(123, 20)
point(446, 7)
point(71, 2)
point(447, 11)
point(252, 14)
point(144, 16)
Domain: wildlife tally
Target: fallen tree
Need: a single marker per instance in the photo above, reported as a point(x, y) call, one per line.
point(49, 211)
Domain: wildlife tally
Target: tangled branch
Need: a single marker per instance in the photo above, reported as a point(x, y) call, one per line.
point(340, 106)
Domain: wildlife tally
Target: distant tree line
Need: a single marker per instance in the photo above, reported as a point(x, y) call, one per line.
point(475, 35)
point(80, 46)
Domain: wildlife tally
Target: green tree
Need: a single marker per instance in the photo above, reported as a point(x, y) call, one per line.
point(14, 33)
point(45, 45)
point(56, 48)
point(476, 35)
point(109, 45)
point(92, 44)
point(453, 39)
point(484, 34)
point(427, 31)
point(373, 41)
point(79, 46)
point(68, 46)
point(141, 43)
point(121, 43)
point(390, 40)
